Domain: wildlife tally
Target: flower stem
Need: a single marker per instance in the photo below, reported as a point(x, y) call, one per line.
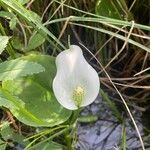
point(68, 141)
point(75, 116)
point(73, 123)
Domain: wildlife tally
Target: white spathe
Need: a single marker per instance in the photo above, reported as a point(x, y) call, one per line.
point(76, 83)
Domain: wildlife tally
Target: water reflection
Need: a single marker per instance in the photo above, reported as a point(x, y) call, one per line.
point(105, 134)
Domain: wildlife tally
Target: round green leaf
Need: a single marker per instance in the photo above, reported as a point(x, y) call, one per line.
point(37, 95)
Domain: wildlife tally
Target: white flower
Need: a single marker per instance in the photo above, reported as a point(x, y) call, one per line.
point(76, 83)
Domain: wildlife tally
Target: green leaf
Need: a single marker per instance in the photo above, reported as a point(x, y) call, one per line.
point(88, 118)
point(113, 9)
point(2, 145)
point(107, 9)
point(23, 2)
point(17, 107)
point(8, 133)
point(6, 14)
point(12, 23)
point(3, 43)
point(13, 69)
point(48, 146)
point(40, 106)
point(35, 41)
point(17, 43)
point(48, 62)
point(35, 16)
point(32, 19)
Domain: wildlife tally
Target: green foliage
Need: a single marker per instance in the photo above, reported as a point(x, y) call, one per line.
point(13, 69)
point(23, 1)
point(8, 133)
point(3, 43)
point(17, 107)
point(88, 118)
point(17, 43)
point(30, 98)
point(48, 146)
point(33, 100)
point(113, 9)
point(35, 41)
point(2, 145)
point(6, 14)
point(12, 23)
point(107, 8)
point(32, 19)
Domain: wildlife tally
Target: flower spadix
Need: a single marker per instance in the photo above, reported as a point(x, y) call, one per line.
point(76, 83)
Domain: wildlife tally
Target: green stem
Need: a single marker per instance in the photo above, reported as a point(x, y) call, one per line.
point(47, 139)
point(72, 123)
point(68, 141)
point(75, 116)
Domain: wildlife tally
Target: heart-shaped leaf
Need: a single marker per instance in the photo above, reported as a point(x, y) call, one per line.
point(40, 105)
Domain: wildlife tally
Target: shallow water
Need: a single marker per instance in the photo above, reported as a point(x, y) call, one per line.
point(106, 132)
